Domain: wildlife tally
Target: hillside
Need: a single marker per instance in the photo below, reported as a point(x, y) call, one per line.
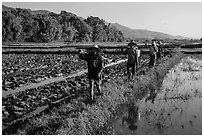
point(143, 34)
point(5, 8)
point(26, 25)
point(67, 26)
point(41, 12)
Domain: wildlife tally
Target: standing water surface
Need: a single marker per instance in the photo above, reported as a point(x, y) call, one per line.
point(175, 109)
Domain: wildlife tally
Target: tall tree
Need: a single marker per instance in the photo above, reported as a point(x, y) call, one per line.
point(23, 25)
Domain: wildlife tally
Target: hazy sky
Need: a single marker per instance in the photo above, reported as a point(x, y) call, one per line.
point(175, 18)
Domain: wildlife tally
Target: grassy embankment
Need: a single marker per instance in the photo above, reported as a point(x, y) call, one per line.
point(76, 117)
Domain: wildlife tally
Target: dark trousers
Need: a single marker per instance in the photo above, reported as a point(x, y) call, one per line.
point(158, 56)
point(132, 66)
point(152, 60)
point(92, 82)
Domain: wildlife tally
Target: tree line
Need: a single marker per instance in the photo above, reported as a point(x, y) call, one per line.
point(21, 25)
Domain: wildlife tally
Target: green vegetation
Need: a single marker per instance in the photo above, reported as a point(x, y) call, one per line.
point(22, 25)
point(77, 117)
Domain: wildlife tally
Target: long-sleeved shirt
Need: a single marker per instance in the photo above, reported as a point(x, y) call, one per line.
point(95, 64)
point(132, 55)
point(153, 49)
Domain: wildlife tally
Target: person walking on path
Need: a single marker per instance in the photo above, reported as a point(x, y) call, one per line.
point(132, 62)
point(153, 54)
point(95, 62)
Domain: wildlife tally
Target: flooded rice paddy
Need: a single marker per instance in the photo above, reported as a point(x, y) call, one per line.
point(174, 109)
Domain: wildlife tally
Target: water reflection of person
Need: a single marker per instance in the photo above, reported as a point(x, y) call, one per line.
point(152, 96)
point(133, 116)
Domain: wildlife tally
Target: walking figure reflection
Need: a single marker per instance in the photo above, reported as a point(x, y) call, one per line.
point(133, 117)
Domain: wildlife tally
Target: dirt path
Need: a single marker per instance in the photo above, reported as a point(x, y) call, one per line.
point(174, 109)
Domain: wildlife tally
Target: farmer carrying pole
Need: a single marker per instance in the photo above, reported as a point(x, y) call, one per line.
point(153, 53)
point(132, 62)
point(95, 61)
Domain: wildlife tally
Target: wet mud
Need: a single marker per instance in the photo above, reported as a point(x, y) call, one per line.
point(174, 109)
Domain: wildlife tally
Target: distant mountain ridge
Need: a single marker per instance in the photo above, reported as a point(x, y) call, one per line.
point(143, 34)
point(127, 32)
